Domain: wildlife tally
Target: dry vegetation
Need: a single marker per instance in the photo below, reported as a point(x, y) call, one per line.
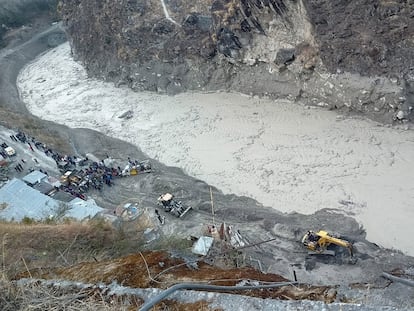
point(35, 246)
point(95, 252)
point(38, 245)
point(28, 248)
point(38, 297)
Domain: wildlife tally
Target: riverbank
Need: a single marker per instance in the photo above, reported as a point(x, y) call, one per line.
point(255, 222)
point(290, 157)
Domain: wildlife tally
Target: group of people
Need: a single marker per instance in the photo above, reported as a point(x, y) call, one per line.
point(30, 141)
point(85, 174)
point(18, 168)
point(2, 152)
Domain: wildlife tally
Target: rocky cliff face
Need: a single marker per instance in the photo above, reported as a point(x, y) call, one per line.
point(345, 55)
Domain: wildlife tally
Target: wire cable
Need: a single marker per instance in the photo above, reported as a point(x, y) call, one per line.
point(150, 303)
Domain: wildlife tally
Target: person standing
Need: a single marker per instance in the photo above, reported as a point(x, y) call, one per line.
point(161, 219)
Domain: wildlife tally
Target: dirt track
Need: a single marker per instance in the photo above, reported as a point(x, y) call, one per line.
point(255, 222)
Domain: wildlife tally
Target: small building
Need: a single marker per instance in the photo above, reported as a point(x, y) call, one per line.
point(18, 201)
point(34, 177)
point(202, 245)
point(81, 209)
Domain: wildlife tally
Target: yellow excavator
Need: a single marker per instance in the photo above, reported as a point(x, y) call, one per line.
point(318, 242)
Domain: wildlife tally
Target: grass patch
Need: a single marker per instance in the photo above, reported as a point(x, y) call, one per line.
point(36, 245)
point(169, 243)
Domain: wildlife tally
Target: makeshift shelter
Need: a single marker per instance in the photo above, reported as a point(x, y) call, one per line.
point(81, 209)
point(202, 245)
point(20, 201)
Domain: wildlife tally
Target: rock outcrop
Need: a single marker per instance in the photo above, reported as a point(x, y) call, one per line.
point(345, 55)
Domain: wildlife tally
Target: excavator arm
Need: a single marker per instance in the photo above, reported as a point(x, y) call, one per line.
point(325, 240)
point(318, 242)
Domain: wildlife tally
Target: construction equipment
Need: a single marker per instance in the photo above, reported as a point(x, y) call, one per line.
point(137, 168)
point(172, 206)
point(71, 177)
point(319, 242)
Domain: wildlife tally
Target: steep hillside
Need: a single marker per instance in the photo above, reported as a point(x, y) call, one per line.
point(22, 12)
point(319, 52)
point(369, 37)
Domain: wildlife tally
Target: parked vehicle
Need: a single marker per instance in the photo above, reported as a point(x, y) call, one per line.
point(172, 206)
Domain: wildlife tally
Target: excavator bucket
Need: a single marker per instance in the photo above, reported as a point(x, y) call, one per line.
point(185, 211)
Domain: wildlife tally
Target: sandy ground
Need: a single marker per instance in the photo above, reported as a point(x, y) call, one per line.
point(287, 156)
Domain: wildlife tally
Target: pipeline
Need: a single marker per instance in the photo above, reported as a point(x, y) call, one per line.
point(149, 304)
point(397, 279)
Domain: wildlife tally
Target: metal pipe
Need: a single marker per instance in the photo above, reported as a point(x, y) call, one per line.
point(397, 279)
point(149, 304)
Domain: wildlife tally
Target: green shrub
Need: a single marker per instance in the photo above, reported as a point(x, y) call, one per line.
point(28, 221)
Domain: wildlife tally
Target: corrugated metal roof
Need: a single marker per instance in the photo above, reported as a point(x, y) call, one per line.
point(81, 209)
point(34, 177)
point(203, 245)
point(23, 201)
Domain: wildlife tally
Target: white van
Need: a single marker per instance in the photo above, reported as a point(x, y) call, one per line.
point(10, 151)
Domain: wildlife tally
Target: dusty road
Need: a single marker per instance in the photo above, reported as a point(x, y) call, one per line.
point(255, 222)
